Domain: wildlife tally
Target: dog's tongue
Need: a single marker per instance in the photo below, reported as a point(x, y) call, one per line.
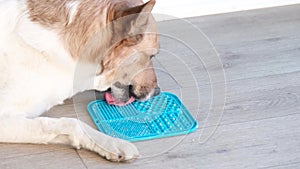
point(113, 101)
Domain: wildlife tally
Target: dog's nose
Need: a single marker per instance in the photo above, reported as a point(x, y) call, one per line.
point(156, 91)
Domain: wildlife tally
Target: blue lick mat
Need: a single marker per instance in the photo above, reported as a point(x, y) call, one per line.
point(161, 116)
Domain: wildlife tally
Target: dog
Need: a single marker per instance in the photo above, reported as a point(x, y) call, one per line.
point(42, 44)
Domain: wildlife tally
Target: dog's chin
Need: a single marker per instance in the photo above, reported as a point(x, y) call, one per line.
point(145, 97)
point(121, 95)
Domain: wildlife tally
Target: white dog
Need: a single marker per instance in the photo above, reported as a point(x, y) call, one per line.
point(41, 42)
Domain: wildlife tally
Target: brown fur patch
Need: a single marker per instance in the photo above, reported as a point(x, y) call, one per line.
point(91, 17)
point(51, 13)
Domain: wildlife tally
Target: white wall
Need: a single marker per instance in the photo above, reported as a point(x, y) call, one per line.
point(189, 8)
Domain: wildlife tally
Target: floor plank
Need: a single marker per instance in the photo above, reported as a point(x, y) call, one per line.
point(37, 157)
point(255, 144)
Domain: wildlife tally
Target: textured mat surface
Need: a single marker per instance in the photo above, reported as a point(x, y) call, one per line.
point(161, 116)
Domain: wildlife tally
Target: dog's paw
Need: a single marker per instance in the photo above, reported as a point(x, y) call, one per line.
point(117, 150)
point(111, 148)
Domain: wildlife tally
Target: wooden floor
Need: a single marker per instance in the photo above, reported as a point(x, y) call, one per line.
point(260, 125)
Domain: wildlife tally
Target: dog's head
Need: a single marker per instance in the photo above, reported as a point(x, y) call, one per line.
point(122, 42)
point(119, 36)
point(134, 44)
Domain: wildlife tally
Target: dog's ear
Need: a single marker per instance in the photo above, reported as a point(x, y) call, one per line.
point(132, 21)
point(141, 13)
point(121, 9)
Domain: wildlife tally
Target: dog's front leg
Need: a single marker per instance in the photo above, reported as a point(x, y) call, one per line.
point(67, 131)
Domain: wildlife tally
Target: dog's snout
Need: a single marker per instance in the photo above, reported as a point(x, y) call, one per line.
point(156, 91)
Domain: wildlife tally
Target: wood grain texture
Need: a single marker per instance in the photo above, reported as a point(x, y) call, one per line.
point(259, 128)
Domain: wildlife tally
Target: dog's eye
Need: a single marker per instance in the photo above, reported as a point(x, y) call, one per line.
point(152, 56)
